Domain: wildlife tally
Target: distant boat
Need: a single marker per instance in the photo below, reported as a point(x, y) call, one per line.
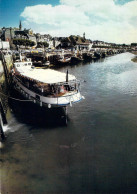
point(64, 60)
point(77, 58)
point(47, 63)
point(45, 86)
point(97, 55)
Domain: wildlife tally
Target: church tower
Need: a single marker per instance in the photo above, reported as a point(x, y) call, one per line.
point(84, 35)
point(20, 26)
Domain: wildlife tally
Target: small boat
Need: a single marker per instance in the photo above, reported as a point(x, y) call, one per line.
point(64, 60)
point(97, 55)
point(46, 87)
point(47, 63)
point(77, 59)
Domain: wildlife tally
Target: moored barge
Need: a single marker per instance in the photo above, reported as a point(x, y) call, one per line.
point(46, 86)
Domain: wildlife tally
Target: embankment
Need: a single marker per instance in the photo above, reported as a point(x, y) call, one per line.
point(135, 58)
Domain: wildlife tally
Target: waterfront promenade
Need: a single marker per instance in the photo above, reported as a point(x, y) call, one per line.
point(135, 58)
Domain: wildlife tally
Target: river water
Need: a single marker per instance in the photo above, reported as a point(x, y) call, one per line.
point(95, 153)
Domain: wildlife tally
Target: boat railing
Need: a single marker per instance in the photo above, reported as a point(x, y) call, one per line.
point(53, 90)
point(69, 82)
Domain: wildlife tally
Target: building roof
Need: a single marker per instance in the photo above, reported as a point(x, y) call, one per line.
point(80, 40)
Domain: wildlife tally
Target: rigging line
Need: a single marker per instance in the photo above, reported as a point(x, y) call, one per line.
point(15, 98)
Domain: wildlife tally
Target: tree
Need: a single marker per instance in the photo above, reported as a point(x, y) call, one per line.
point(133, 44)
point(42, 44)
point(23, 42)
point(73, 40)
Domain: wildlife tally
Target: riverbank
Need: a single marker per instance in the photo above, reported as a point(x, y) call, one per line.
point(135, 58)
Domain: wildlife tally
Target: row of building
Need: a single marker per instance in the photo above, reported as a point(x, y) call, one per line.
point(71, 42)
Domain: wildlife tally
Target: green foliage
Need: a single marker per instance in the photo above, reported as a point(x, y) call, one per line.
point(82, 39)
point(42, 44)
point(73, 40)
point(23, 42)
point(133, 44)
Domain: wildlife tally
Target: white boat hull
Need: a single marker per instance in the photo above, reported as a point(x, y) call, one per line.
point(61, 101)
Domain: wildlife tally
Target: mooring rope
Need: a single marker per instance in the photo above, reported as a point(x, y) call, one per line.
point(15, 98)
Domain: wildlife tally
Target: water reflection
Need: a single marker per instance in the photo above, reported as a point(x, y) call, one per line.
point(35, 115)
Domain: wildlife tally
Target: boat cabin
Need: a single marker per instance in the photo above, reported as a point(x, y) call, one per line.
point(45, 82)
point(23, 64)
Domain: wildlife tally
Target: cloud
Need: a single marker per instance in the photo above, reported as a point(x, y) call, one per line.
point(100, 19)
point(46, 14)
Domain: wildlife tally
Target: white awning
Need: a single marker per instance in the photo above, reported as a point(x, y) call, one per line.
point(45, 75)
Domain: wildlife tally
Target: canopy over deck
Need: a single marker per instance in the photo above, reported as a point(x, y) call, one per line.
point(44, 75)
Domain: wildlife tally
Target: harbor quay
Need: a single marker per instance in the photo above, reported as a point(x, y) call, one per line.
point(63, 56)
point(46, 58)
point(99, 142)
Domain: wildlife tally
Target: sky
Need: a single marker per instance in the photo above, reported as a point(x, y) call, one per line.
point(112, 21)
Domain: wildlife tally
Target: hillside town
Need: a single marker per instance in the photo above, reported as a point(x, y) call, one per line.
point(8, 35)
point(43, 49)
